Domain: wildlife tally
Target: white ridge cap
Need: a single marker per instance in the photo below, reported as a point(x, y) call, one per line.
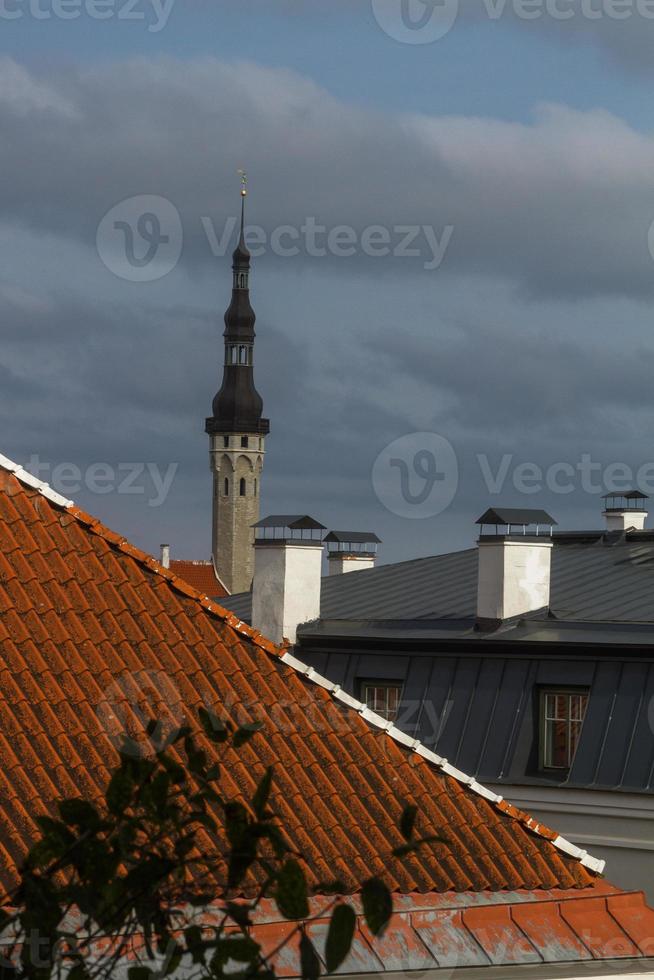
point(31, 481)
point(415, 745)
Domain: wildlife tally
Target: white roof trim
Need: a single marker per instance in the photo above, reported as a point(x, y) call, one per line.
point(31, 481)
point(585, 859)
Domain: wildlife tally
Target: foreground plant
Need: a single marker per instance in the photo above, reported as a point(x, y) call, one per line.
point(135, 884)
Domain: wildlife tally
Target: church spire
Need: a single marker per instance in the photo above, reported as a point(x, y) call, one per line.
point(241, 255)
point(238, 406)
point(237, 432)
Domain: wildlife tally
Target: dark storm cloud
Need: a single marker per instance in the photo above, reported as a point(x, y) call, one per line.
point(561, 206)
point(539, 380)
point(350, 354)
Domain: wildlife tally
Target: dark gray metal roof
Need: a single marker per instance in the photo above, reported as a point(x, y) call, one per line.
point(596, 578)
point(515, 515)
point(356, 537)
point(293, 521)
point(627, 495)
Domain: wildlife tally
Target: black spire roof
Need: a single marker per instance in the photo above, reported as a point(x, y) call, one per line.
point(238, 406)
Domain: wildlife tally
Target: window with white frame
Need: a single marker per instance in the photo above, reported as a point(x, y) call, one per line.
point(382, 697)
point(562, 713)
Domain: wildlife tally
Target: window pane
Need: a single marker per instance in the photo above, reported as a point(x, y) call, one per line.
point(383, 699)
point(563, 715)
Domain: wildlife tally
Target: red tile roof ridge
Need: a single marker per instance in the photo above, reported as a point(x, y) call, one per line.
point(181, 566)
point(309, 673)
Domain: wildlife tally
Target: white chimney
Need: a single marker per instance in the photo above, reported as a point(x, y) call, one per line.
point(514, 564)
point(625, 511)
point(165, 555)
point(351, 551)
point(288, 555)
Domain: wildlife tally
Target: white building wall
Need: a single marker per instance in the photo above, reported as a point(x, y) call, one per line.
point(616, 827)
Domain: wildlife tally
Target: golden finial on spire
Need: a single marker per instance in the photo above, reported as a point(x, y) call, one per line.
point(244, 183)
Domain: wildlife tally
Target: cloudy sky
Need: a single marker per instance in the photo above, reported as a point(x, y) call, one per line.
point(453, 280)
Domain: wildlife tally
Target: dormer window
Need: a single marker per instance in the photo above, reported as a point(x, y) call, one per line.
point(562, 713)
point(382, 697)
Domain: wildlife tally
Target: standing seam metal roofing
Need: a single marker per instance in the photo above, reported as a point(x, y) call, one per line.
point(591, 582)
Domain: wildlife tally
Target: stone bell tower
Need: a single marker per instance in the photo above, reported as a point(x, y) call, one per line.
point(237, 434)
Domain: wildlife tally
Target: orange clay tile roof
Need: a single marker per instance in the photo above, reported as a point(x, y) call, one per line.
point(94, 632)
point(201, 575)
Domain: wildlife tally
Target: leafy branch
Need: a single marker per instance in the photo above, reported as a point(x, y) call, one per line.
point(137, 881)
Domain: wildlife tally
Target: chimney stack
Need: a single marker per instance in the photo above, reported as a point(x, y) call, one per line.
point(625, 511)
point(165, 555)
point(351, 551)
point(288, 554)
point(514, 564)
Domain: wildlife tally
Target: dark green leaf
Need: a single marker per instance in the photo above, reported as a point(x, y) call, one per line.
point(309, 959)
point(238, 912)
point(260, 798)
point(195, 943)
point(119, 791)
point(339, 936)
point(214, 727)
point(242, 949)
point(408, 821)
point(173, 959)
point(139, 973)
point(335, 887)
point(79, 813)
point(291, 894)
point(245, 733)
point(377, 905)
point(278, 843)
point(79, 972)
